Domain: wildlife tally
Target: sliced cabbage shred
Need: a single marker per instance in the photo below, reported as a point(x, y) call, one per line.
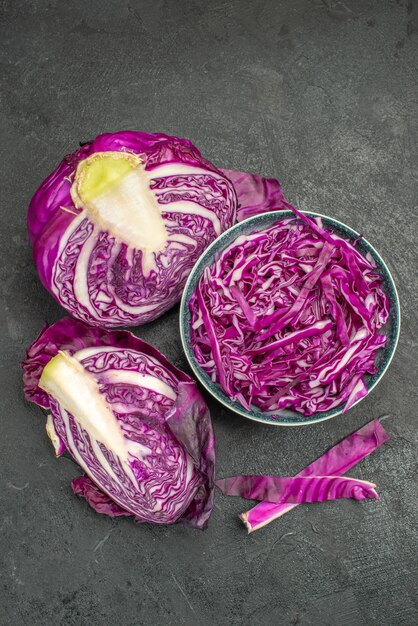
point(296, 489)
point(336, 461)
point(289, 318)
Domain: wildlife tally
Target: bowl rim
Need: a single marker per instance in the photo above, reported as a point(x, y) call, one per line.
point(218, 394)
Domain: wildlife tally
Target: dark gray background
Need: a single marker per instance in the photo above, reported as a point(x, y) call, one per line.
point(321, 94)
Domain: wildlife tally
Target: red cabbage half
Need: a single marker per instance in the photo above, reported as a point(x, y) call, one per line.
point(136, 424)
point(289, 318)
point(117, 227)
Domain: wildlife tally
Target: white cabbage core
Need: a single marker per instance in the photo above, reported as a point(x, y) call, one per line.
point(114, 189)
point(77, 391)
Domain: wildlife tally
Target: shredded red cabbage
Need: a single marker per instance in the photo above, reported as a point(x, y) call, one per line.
point(289, 318)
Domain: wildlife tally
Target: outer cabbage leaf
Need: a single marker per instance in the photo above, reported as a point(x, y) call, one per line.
point(84, 487)
point(85, 251)
point(165, 423)
point(256, 194)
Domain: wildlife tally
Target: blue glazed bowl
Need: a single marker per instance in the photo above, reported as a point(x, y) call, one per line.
point(261, 222)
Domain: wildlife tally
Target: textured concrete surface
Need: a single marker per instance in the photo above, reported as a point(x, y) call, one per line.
point(321, 94)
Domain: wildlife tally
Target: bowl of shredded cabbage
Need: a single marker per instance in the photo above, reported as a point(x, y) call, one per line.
point(290, 318)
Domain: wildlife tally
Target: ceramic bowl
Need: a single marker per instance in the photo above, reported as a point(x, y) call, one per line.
point(261, 222)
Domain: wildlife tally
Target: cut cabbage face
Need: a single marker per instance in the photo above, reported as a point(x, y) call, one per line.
point(134, 423)
point(117, 227)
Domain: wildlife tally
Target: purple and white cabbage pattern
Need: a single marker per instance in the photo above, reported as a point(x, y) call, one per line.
point(164, 419)
point(100, 279)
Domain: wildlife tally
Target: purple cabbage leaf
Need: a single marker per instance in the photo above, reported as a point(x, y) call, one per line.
point(336, 461)
point(296, 489)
